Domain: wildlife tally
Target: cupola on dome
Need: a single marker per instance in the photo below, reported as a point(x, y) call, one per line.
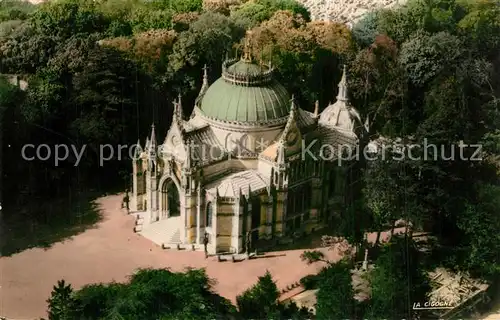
point(246, 93)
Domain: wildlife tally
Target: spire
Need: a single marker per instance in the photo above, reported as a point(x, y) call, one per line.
point(152, 145)
point(179, 107)
point(204, 88)
point(147, 144)
point(342, 95)
point(316, 109)
point(177, 115)
point(247, 57)
point(138, 150)
point(291, 120)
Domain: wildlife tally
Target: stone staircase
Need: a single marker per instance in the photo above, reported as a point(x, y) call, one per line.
point(162, 232)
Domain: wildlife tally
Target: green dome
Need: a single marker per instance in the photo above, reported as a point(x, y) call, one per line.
point(246, 92)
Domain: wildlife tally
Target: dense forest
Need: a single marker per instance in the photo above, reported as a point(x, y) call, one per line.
point(101, 72)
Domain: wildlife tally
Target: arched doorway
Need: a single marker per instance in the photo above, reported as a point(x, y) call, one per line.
point(170, 204)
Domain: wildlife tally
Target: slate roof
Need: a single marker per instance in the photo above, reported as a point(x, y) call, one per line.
point(231, 185)
point(206, 146)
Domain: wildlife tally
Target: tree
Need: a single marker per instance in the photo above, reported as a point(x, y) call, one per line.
point(478, 224)
point(220, 6)
point(208, 41)
point(25, 50)
point(366, 29)
point(426, 55)
point(391, 189)
point(149, 294)
point(68, 17)
point(62, 304)
point(335, 296)
point(257, 11)
point(15, 10)
point(261, 302)
point(397, 281)
point(481, 25)
point(306, 54)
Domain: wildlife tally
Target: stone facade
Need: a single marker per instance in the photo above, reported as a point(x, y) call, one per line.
point(237, 169)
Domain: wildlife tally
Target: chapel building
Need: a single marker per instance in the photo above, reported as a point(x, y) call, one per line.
point(248, 161)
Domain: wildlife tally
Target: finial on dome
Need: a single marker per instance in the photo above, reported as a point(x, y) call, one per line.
point(247, 56)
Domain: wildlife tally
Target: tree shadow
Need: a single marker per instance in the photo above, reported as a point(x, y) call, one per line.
point(42, 223)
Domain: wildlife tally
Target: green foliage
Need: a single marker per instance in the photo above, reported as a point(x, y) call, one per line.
point(397, 281)
point(481, 25)
point(93, 299)
point(15, 10)
point(312, 256)
point(8, 93)
point(261, 302)
point(25, 50)
point(178, 6)
point(62, 304)
point(143, 18)
point(425, 55)
point(391, 190)
point(189, 53)
point(335, 296)
point(257, 11)
point(480, 222)
point(211, 30)
point(68, 17)
point(8, 27)
point(150, 294)
point(366, 29)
